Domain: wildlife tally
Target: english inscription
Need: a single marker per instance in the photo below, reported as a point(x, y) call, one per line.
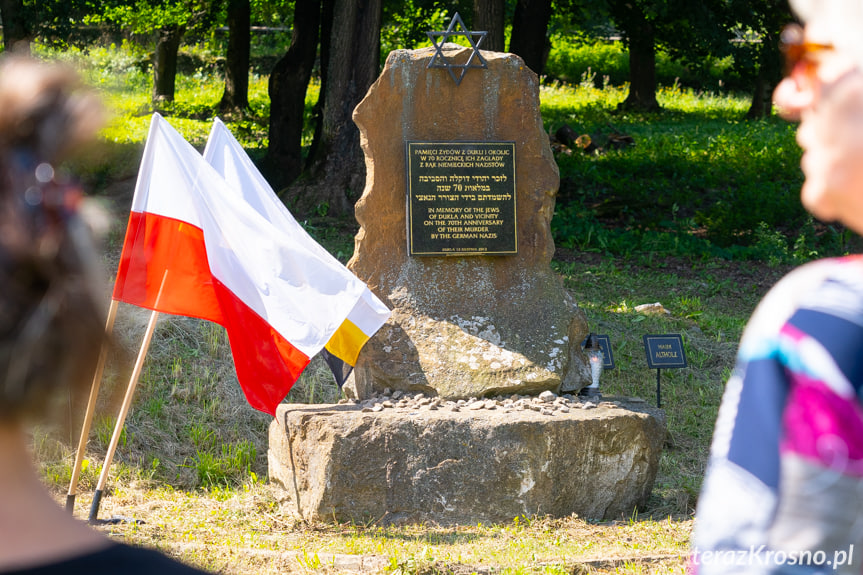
point(461, 198)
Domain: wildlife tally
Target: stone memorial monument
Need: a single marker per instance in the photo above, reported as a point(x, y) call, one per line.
point(455, 238)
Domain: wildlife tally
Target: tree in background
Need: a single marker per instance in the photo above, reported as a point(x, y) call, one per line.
point(165, 62)
point(288, 84)
point(489, 16)
point(345, 38)
point(336, 166)
point(235, 99)
point(638, 20)
point(340, 41)
point(16, 25)
point(404, 23)
point(55, 23)
point(348, 33)
point(170, 20)
point(763, 20)
point(529, 37)
point(690, 30)
point(241, 16)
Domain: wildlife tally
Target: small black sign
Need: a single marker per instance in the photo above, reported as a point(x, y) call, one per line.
point(605, 346)
point(461, 198)
point(664, 351)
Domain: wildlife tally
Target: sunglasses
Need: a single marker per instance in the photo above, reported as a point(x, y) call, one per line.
point(795, 48)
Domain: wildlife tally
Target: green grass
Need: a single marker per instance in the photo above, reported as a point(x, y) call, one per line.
point(193, 461)
point(608, 62)
point(709, 309)
point(699, 182)
point(247, 531)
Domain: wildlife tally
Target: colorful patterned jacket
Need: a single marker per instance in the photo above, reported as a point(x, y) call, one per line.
point(784, 486)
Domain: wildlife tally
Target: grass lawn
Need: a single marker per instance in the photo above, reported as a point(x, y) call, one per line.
point(192, 464)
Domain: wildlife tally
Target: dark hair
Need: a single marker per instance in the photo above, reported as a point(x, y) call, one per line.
point(51, 320)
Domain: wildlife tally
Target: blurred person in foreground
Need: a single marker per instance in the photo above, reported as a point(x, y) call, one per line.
point(784, 486)
point(51, 317)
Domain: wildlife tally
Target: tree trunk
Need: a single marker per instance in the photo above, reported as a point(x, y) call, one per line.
point(761, 105)
point(327, 7)
point(769, 75)
point(529, 28)
point(642, 67)
point(337, 170)
point(16, 32)
point(236, 96)
point(488, 16)
point(289, 81)
point(165, 64)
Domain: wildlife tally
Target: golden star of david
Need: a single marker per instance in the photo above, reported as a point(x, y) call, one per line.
point(444, 36)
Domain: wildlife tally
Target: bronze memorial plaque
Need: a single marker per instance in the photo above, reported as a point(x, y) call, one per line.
point(461, 198)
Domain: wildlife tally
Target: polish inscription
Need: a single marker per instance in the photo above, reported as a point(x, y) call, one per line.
point(461, 198)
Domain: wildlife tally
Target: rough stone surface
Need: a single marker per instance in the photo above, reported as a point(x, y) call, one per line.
point(474, 325)
point(413, 458)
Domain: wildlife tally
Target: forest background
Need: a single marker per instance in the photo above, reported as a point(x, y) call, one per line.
point(717, 45)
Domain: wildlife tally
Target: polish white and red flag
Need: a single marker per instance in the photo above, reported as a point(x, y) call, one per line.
point(230, 160)
point(197, 246)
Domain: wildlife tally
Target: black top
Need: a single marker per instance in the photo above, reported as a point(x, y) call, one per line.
point(114, 560)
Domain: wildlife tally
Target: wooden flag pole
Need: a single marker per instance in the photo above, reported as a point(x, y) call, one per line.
point(91, 408)
point(121, 418)
point(127, 404)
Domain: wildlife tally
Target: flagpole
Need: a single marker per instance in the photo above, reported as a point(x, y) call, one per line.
point(127, 404)
point(91, 408)
point(121, 418)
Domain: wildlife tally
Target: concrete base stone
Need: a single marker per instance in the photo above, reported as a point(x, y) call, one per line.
point(430, 464)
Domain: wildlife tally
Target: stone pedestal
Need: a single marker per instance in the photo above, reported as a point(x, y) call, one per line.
point(462, 326)
point(423, 461)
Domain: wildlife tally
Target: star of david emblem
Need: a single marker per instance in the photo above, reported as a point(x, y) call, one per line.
point(439, 60)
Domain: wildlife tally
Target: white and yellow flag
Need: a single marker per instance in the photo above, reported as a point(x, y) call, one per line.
point(225, 154)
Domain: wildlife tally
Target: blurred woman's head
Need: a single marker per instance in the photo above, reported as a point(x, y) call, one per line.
point(50, 320)
point(823, 89)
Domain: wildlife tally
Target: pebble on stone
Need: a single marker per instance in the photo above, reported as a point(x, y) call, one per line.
point(547, 403)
